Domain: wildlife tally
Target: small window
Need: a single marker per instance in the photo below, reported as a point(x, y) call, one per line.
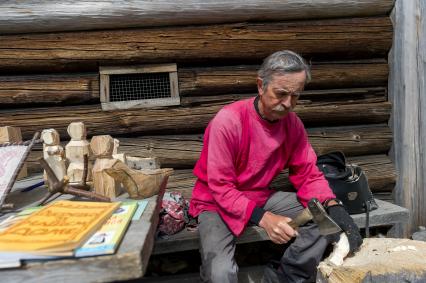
point(139, 86)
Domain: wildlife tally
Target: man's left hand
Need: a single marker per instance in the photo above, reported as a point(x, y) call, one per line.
point(339, 214)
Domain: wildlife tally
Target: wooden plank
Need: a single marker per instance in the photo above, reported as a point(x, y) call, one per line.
point(387, 214)
point(27, 17)
point(240, 79)
point(407, 87)
point(182, 151)
point(343, 38)
point(132, 255)
point(82, 88)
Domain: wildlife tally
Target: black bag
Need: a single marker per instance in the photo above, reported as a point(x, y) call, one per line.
point(348, 182)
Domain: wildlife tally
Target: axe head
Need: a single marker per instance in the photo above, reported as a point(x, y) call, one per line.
point(325, 224)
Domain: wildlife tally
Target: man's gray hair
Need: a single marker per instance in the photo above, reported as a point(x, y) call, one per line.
point(281, 63)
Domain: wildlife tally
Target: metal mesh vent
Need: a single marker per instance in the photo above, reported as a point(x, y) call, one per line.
point(139, 86)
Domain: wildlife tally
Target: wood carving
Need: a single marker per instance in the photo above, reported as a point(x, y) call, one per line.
point(75, 151)
point(102, 147)
point(138, 183)
point(120, 156)
point(53, 153)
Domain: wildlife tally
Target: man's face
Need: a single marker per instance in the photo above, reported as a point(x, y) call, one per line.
point(281, 94)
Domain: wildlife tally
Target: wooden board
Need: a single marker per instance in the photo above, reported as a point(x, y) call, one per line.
point(23, 17)
point(386, 214)
point(129, 262)
point(343, 38)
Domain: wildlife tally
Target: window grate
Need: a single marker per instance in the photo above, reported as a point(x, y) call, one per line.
point(139, 86)
point(142, 86)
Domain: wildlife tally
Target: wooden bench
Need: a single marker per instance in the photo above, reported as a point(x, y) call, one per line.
point(387, 214)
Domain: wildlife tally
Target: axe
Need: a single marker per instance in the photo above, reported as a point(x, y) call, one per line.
point(316, 212)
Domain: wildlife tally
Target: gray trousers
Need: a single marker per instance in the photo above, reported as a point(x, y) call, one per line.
point(300, 259)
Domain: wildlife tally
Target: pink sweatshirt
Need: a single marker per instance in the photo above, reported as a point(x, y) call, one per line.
point(242, 154)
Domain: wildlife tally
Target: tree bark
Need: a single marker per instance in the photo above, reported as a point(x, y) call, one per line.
point(341, 38)
point(69, 15)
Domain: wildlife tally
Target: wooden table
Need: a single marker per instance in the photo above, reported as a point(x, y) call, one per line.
point(129, 262)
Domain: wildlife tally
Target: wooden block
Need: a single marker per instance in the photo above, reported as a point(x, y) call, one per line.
point(102, 147)
point(53, 153)
point(380, 260)
point(140, 163)
point(75, 151)
point(10, 134)
point(13, 134)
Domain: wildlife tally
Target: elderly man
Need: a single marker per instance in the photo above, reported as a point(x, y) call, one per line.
point(246, 145)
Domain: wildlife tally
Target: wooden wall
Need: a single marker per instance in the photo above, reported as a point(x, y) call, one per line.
point(51, 79)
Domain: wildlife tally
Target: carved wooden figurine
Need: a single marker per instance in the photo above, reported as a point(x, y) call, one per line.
point(53, 153)
point(75, 151)
point(102, 147)
point(116, 155)
point(138, 183)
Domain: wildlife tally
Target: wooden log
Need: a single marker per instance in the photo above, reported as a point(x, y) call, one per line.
point(49, 89)
point(379, 261)
point(343, 38)
point(407, 86)
point(25, 17)
point(182, 151)
point(173, 120)
point(83, 88)
point(308, 97)
point(380, 181)
point(240, 79)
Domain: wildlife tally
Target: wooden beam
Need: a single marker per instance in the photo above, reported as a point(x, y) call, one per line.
point(83, 88)
point(407, 88)
point(331, 38)
point(182, 151)
point(382, 180)
point(45, 16)
point(239, 79)
point(176, 120)
point(49, 89)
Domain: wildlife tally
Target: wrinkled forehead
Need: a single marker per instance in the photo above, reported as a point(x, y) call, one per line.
point(289, 81)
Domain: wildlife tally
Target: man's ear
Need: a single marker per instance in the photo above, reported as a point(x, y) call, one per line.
point(259, 86)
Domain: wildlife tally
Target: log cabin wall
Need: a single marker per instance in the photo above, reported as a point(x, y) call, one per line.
point(49, 77)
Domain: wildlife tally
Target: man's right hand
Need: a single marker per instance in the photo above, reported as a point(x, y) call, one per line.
point(277, 228)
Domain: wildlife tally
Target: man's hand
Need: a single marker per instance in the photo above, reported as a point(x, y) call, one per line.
point(277, 228)
point(339, 214)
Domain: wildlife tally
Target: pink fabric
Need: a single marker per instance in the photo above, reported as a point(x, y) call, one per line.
point(242, 154)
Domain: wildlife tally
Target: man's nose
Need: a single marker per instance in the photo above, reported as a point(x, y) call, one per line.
point(286, 101)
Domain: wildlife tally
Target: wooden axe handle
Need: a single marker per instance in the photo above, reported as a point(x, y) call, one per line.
point(301, 219)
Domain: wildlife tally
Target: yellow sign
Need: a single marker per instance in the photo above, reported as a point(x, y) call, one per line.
point(59, 227)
